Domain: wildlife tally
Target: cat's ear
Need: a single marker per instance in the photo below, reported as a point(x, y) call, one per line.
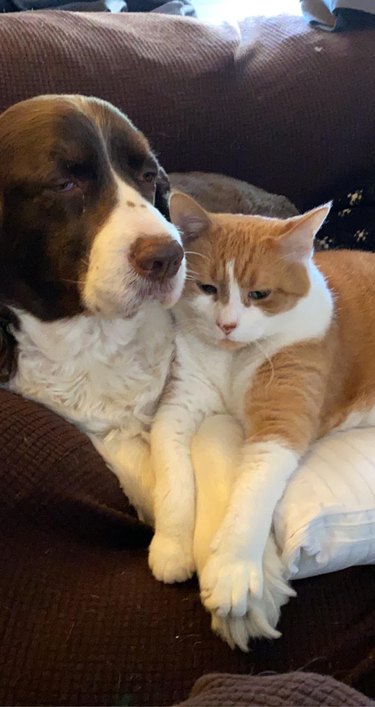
point(189, 217)
point(297, 241)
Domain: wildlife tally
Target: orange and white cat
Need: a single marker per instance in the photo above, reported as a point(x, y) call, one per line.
point(282, 340)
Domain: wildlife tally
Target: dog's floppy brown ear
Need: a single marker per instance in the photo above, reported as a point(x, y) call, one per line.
point(8, 320)
point(8, 345)
point(162, 193)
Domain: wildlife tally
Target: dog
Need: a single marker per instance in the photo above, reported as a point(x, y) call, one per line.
point(89, 267)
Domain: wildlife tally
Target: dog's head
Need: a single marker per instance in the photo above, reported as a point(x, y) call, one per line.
point(83, 212)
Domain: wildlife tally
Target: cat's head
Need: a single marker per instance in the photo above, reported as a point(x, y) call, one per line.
point(244, 272)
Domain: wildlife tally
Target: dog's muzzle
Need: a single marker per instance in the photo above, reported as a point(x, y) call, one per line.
point(156, 259)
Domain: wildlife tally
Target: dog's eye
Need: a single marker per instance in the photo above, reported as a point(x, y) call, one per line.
point(149, 177)
point(65, 186)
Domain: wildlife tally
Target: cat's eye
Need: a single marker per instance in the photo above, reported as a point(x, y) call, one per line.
point(259, 294)
point(207, 289)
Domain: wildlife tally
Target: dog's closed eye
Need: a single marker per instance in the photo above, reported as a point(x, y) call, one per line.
point(149, 176)
point(64, 187)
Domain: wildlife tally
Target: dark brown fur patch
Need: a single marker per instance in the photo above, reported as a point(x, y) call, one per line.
point(47, 230)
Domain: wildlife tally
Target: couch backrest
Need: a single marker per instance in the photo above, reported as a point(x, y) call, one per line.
point(286, 107)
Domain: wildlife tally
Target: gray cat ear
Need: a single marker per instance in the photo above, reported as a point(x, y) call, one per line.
point(297, 241)
point(186, 214)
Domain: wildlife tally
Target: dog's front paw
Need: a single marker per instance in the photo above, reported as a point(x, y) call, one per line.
point(226, 582)
point(170, 559)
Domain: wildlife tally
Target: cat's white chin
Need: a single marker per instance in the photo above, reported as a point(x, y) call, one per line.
point(230, 345)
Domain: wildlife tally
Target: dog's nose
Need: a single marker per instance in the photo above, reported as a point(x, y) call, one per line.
point(227, 328)
point(156, 258)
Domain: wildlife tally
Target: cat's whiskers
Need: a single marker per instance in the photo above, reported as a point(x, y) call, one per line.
point(193, 273)
point(186, 325)
point(194, 252)
point(193, 325)
point(268, 359)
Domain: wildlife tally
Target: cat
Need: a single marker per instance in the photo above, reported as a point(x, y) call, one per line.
point(219, 193)
point(284, 341)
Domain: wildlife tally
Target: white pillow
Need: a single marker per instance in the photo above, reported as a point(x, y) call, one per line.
point(326, 518)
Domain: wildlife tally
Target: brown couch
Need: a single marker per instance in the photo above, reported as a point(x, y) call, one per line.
point(82, 621)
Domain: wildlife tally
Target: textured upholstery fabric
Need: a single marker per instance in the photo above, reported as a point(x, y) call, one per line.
point(271, 101)
point(302, 689)
point(82, 621)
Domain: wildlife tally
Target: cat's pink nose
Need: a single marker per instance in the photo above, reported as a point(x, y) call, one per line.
point(227, 328)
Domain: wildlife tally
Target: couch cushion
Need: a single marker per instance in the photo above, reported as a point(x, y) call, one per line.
point(270, 101)
point(83, 621)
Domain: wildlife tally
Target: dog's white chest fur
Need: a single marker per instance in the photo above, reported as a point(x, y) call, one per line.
point(103, 375)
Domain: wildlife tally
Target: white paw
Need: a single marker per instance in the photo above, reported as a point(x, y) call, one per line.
point(226, 582)
point(170, 559)
point(262, 613)
point(238, 631)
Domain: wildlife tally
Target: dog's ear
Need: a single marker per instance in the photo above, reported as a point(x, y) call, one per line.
point(8, 345)
point(163, 189)
point(8, 322)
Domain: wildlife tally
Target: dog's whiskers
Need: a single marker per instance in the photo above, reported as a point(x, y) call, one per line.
point(73, 282)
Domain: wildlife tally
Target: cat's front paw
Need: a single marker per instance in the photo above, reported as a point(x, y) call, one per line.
point(262, 613)
point(171, 559)
point(226, 582)
point(238, 631)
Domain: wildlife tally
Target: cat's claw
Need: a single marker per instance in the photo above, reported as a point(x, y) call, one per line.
point(237, 631)
point(262, 614)
point(170, 559)
point(226, 583)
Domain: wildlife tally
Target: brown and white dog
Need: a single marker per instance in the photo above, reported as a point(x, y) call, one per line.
point(89, 265)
